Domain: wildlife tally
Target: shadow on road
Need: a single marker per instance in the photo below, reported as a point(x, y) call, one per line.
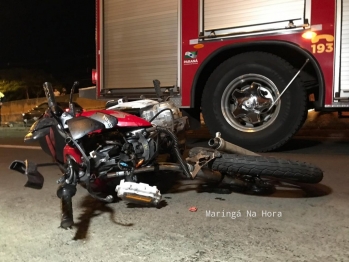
point(302, 191)
point(92, 208)
point(296, 144)
point(289, 190)
point(162, 204)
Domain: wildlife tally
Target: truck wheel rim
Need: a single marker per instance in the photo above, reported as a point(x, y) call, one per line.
point(246, 100)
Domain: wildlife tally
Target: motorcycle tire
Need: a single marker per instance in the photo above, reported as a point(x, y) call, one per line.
point(267, 167)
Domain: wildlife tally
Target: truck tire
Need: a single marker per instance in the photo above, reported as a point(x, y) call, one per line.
point(238, 94)
point(260, 166)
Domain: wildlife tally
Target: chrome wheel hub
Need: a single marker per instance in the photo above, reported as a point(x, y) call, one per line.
point(246, 101)
point(251, 102)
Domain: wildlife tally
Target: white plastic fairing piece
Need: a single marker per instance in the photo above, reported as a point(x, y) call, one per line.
point(139, 193)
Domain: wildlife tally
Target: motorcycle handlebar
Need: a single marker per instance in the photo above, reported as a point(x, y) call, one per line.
point(71, 105)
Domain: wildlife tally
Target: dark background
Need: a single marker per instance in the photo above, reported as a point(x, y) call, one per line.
point(57, 36)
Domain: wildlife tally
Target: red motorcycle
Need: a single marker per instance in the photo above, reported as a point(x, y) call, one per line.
point(100, 148)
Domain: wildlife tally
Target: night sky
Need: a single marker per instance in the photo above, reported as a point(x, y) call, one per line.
point(55, 35)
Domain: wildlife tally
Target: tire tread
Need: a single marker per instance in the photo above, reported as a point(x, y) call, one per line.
point(268, 166)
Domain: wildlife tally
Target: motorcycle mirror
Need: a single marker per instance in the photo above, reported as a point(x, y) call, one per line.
point(158, 92)
point(18, 166)
point(71, 104)
point(50, 97)
point(35, 178)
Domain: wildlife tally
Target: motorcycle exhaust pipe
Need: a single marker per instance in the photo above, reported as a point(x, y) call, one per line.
point(219, 143)
point(161, 167)
point(211, 176)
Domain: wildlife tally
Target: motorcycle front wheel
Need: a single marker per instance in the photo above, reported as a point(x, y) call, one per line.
point(267, 167)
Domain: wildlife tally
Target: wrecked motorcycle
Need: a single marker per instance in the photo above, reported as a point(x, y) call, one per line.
point(121, 146)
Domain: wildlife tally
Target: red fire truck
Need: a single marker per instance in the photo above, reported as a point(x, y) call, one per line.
point(253, 68)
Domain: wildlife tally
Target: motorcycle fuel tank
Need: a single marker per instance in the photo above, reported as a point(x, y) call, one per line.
point(124, 119)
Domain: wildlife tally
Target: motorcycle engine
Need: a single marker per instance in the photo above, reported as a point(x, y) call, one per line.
point(165, 118)
point(116, 152)
point(120, 152)
point(163, 114)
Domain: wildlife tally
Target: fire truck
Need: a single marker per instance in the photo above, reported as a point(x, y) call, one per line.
point(252, 68)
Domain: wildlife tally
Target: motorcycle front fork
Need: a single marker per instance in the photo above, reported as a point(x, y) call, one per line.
point(65, 193)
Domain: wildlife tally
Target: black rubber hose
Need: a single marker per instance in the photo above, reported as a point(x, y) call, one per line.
point(158, 113)
point(176, 150)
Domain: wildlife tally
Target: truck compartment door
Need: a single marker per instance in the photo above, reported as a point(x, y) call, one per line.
point(342, 49)
point(139, 43)
point(251, 15)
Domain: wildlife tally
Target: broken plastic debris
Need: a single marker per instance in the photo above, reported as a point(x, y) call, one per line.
point(193, 209)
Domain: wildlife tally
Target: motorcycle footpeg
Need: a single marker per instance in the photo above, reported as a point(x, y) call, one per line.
point(35, 179)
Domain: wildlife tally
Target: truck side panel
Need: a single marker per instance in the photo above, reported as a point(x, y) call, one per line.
point(139, 43)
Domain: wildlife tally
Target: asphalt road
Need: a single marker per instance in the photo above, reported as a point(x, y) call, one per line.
point(307, 225)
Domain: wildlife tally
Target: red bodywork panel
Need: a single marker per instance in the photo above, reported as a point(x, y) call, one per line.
point(124, 119)
point(73, 152)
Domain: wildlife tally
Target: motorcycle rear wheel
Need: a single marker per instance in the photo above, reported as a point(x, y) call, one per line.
point(267, 167)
